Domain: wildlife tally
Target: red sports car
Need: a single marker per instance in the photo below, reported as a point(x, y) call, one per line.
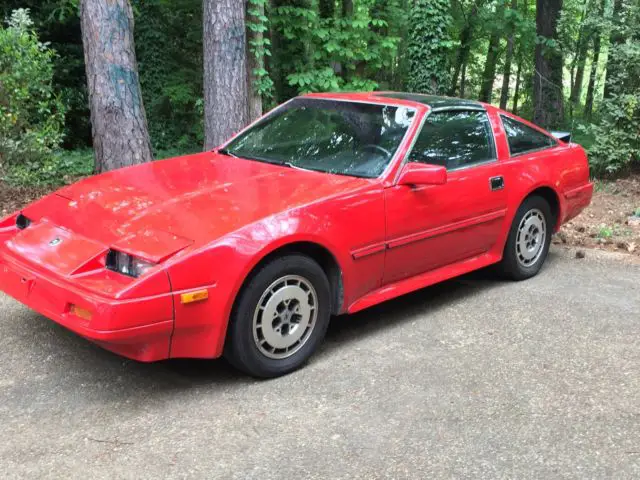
point(329, 204)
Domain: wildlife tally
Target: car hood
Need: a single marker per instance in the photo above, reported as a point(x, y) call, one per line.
point(171, 203)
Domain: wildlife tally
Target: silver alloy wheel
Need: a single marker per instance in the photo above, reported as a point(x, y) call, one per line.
point(531, 237)
point(285, 317)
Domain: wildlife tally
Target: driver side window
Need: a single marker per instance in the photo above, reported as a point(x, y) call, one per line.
point(454, 139)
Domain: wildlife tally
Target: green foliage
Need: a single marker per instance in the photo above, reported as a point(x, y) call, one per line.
point(57, 169)
point(605, 232)
point(260, 48)
point(169, 50)
point(31, 113)
point(429, 46)
point(301, 46)
point(616, 144)
point(332, 54)
point(64, 167)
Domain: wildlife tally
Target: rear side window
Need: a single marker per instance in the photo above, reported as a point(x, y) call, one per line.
point(454, 139)
point(523, 139)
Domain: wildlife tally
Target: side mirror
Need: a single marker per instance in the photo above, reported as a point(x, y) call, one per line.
point(423, 174)
point(563, 136)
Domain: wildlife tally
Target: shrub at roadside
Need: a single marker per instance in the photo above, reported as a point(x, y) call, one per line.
point(31, 114)
point(58, 168)
point(616, 146)
point(65, 166)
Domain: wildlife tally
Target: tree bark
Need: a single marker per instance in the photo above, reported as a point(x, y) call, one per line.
point(582, 48)
point(516, 93)
point(253, 63)
point(548, 101)
point(463, 79)
point(326, 8)
point(225, 70)
point(616, 39)
point(466, 37)
point(578, 80)
point(597, 39)
point(506, 73)
point(347, 8)
point(118, 119)
point(588, 104)
point(463, 51)
point(489, 74)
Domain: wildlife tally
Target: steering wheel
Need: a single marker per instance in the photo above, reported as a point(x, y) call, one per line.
point(373, 146)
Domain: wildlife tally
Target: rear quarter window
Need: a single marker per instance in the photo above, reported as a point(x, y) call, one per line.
point(523, 139)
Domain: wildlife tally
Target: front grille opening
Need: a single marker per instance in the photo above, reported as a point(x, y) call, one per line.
point(22, 222)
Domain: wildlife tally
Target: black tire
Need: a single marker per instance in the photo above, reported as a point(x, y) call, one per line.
point(241, 348)
point(513, 264)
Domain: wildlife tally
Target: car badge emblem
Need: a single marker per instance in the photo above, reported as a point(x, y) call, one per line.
point(55, 241)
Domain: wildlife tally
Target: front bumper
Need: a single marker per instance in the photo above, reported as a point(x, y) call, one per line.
point(139, 329)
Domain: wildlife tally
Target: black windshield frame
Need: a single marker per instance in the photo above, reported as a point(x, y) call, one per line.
point(398, 133)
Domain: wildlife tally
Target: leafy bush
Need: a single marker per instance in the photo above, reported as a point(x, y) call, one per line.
point(616, 136)
point(56, 169)
point(64, 167)
point(429, 46)
point(168, 38)
point(319, 54)
point(31, 115)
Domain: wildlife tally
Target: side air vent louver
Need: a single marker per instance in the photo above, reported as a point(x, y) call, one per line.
point(22, 222)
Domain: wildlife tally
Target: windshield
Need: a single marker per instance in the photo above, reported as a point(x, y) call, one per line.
point(347, 138)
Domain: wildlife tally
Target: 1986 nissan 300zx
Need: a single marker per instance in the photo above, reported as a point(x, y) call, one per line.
point(329, 204)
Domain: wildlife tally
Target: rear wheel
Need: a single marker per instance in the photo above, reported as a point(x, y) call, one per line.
point(280, 317)
point(529, 239)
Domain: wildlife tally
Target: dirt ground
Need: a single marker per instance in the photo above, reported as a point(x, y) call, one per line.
point(612, 221)
point(13, 198)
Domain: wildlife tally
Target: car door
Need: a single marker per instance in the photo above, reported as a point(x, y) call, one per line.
point(435, 225)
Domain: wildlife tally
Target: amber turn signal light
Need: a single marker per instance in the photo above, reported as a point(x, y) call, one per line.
point(195, 296)
point(80, 312)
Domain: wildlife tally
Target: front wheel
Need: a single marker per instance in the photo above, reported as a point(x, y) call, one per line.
point(529, 239)
point(280, 317)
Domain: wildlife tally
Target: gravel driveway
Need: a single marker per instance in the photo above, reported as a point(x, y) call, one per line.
point(473, 378)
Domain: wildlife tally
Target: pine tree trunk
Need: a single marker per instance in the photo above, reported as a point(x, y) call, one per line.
point(253, 63)
point(118, 119)
point(548, 101)
point(225, 70)
point(506, 73)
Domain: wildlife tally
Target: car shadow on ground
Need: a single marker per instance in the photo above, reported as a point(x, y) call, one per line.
point(72, 353)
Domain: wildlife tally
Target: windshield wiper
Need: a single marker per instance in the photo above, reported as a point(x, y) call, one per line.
point(226, 152)
point(297, 167)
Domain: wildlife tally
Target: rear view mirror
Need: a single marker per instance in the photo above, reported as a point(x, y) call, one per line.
point(423, 174)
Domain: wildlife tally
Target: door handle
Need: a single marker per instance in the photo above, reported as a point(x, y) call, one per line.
point(496, 183)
